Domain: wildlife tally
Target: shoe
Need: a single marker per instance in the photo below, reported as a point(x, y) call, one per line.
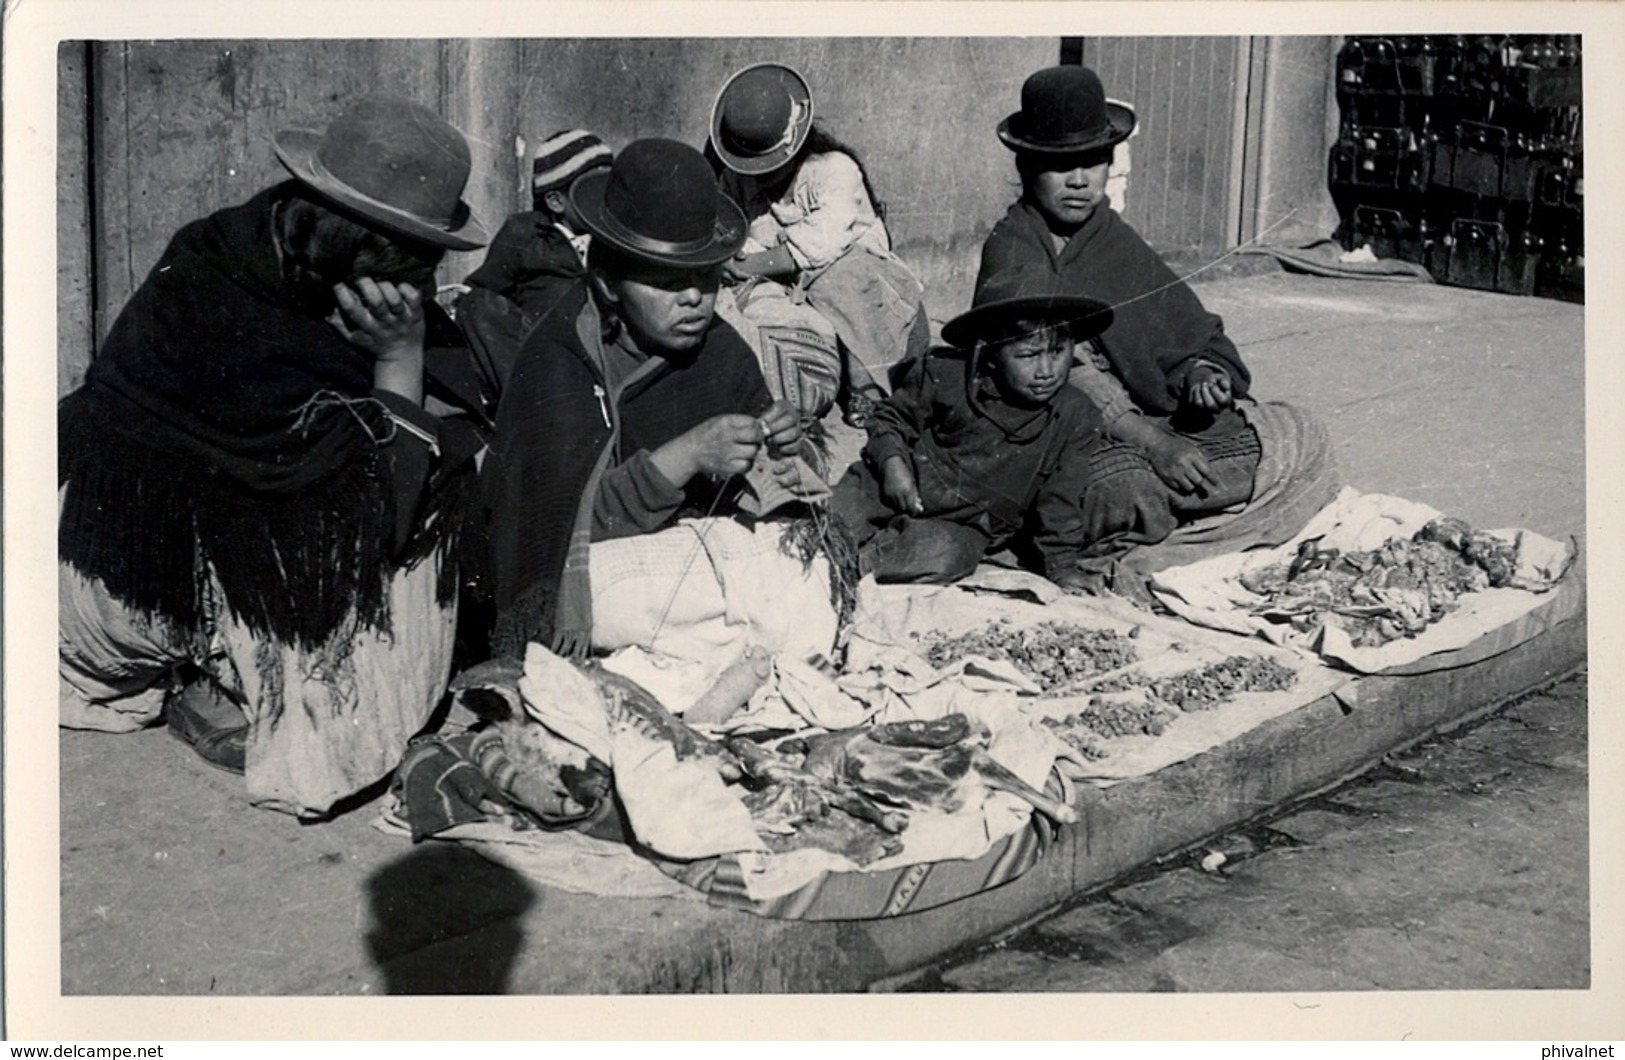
point(195, 716)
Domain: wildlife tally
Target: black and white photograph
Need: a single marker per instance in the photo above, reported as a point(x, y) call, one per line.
point(813, 500)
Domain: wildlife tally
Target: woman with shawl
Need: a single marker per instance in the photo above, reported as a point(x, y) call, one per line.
point(833, 310)
point(256, 511)
point(1194, 466)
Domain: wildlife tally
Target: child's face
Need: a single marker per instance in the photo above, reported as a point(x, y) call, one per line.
point(1068, 188)
point(1032, 369)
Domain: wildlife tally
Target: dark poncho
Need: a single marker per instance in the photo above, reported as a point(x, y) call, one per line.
point(558, 432)
point(223, 427)
point(531, 271)
point(1159, 327)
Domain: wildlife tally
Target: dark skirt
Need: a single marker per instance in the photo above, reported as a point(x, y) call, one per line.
point(1127, 503)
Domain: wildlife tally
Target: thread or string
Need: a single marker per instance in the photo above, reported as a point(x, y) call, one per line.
point(699, 528)
point(1176, 281)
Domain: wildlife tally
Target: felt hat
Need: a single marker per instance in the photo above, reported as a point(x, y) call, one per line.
point(658, 202)
point(1024, 294)
point(761, 118)
point(563, 157)
point(393, 163)
point(1064, 110)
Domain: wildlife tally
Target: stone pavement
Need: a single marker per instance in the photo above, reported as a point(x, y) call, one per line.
point(172, 884)
point(1458, 865)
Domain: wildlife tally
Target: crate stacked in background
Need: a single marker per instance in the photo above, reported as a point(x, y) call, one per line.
point(1464, 155)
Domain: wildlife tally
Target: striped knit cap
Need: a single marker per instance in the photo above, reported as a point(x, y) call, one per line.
point(563, 157)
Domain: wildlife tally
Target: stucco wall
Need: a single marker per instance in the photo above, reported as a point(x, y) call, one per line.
point(919, 112)
point(157, 133)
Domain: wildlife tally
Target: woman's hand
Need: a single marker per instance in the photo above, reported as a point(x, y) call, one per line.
point(776, 263)
point(383, 318)
point(781, 428)
point(719, 447)
point(898, 487)
point(1208, 387)
point(1180, 463)
point(386, 320)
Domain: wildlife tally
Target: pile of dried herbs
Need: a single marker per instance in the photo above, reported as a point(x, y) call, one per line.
point(1164, 698)
point(1055, 655)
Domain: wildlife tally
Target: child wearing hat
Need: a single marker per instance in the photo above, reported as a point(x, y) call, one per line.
point(1170, 384)
point(540, 255)
point(817, 240)
point(257, 514)
point(982, 445)
point(537, 260)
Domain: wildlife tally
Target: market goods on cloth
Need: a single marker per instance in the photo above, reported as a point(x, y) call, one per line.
point(680, 810)
point(1167, 653)
point(696, 829)
point(1211, 592)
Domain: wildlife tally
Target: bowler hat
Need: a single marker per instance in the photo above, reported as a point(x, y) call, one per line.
point(394, 163)
point(658, 202)
point(1064, 110)
point(1024, 294)
point(761, 118)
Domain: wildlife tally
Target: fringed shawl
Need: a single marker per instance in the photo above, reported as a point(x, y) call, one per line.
point(225, 429)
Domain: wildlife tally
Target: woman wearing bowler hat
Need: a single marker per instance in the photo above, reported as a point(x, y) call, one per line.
point(639, 410)
point(817, 243)
point(256, 510)
point(1186, 462)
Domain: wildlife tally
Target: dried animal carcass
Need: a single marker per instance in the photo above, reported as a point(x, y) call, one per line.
point(880, 773)
point(1383, 594)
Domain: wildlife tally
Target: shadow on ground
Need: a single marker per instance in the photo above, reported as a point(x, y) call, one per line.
point(446, 921)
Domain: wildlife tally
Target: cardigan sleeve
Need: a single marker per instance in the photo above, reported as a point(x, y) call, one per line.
point(828, 210)
point(896, 424)
point(634, 498)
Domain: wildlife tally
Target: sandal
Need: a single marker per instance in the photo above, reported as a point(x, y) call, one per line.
point(222, 745)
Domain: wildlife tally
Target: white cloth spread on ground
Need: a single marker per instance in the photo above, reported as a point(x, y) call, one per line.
point(701, 593)
point(900, 615)
point(1210, 593)
point(712, 591)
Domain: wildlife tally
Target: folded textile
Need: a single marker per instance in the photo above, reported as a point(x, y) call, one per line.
point(1325, 257)
point(706, 590)
point(440, 784)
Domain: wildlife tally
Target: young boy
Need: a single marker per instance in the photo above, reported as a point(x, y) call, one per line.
point(981, 446)
point(1166, 378)
point(542, 253)
point(536, 265)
